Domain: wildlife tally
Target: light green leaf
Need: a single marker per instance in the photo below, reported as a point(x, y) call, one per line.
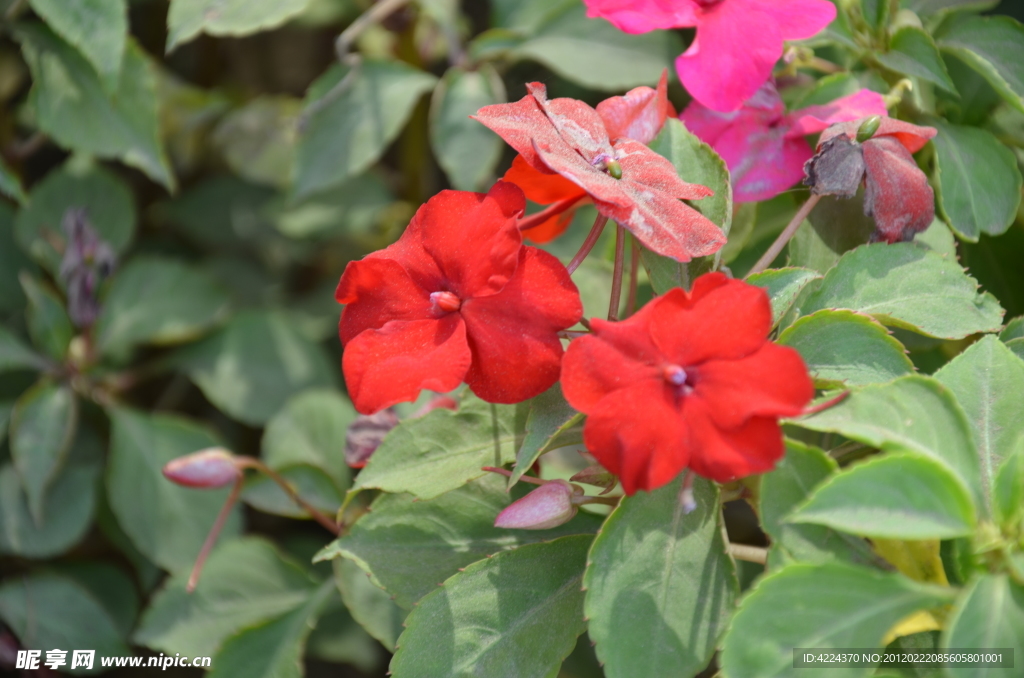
point(938, 238)
point(913, 52)
point(188, 18)
point(783, 286)
point(472, 626)
point(906, 286)
point(105, 198)
point(310, 482)
point(97, 28)
point(526, 16)
point(349, 132)
point(443, 450)
point(1008, 491)
point(892, 496)
point(846, 348)
point(1014, 330)
point(246, 581)
point(48, 322)
point(354, 210)
point(409, 547)
point(251, 366)
point(912, 413)
point(166, 522)
point(49, 611)
point(551, 423)
point(994, 47)
point(595, 54)
point(258, 140)
point(1017, 347)
point(978, 180)
point(980, 378)
point(793, 479)
point(839, 606)
point(659, 584)
point(74, 108)
point(272, 649)
point(369, 604)
point(311, 429)
point(43, 426)
point(160, 301)
point(465, 149)
point(15, 355)
point(990, 613)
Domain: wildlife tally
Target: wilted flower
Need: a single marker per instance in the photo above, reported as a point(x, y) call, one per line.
point(87, 261)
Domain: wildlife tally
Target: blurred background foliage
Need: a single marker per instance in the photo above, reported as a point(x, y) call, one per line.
point(184, 185)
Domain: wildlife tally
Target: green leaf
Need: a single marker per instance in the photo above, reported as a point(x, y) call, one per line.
point(551, 423)
point(913, 52)
point(659, 584)
point(10, 184)
point(48, 322)
point(43, 426)
point(12, 262)
point(516, 614)
point(443, 450)
point(409, 546)
point(251, 366)
point(258, 140)
point(846, 348)
point(1014, 330)
point(311, 429)
point(339, 639)
point(48, 611)
point(166, 522)
point(990, 613)
point(912, 413)
point(68, 506)
point(526, 16)
point(188, 18)
point(783, 286)
point(157, 300)
point(980, 378)
point(109, 584)
point(466, 150)
point(695, 163)
point(793, 479)
point(246, 581)
point(927, 7)
point(220, 213)
point(356, 210)
point(369, 604)
point(74, 108)
point(15, 355)
point(907, 286)
point(272, 649)
point(1017, 347)
point(595, 54)
point(978, 180)
point(994, 47)
point(938, 238)
point(839, 606)
point(875, 12)
point(347, 133)
point(97, 28)
point(892, 496)
point(310, 482)
point(1008, 491)
point(834, 227)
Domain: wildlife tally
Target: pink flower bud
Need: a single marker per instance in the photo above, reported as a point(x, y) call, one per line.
point(209, 468)
point(550, 505)
point(598, 476)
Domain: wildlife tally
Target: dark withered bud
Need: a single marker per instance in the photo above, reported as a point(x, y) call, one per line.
point(597, 476)
point(837, 168)
point(87, 261)
point(365, 435)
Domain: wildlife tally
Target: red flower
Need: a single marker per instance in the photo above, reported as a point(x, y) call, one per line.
point(689, 381)
point(457, 298)
point(628, 182)
point(897, 194)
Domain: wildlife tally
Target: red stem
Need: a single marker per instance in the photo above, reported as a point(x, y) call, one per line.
point(620, 256)
point(535, 220)
point(211, 538)
point(319, 517)
point(508, 474)
point(588, 244)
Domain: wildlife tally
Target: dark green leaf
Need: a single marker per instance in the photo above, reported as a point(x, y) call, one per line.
point(875, 12)
point(659, 584)
point(926, 7)
point(409, 547)
point(97, 28)
point(981, 378)
point(258, 140)
point(43, 426)
point(369, 604)
point(526, 16)
point(12, 262)
point(354, 210)
point(834, 227)
point(160, 301)
point(839, 606)
point(913, 52)
point(349, 132)
point(466, 150)
point(994, 47)
point(166, 522)
point(246, 581)
point(907, 286)
point(74, 108)
point(978, 180)
point(514, 615)
point(189, 18)
point(111, 586)
point(310, 482)
point(339, 639)
point(311, 429)
point(783, 286)
point(989, 614)
point(251, 366)
point(222, 212)
point(15, 355)
point(551, 423)
point(10, 184)
point(48, 322)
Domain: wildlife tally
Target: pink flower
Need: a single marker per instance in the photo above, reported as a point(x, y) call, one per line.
point(764, 147)
point(737, 43)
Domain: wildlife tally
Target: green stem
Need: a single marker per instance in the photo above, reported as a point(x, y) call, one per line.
point(620, 256)
point(768, 257)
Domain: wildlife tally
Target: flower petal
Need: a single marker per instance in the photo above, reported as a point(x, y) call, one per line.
point(814, 119)
point(761, 160)
point(726, 454)
point(759, 111)
point(519, 124)
point(913, 137)
point(394, 363)
point(799, 19)
point(577, 123)
point(543, 188)
point(641, 16)
point(639, 114)
point(897, 193)
point(376, 291)
point(772, 381)
point(514, 334)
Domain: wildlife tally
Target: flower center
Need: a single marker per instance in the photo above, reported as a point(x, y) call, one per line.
point(674, 374)
point(608, 164)
point(707, 3)
point(445, 302)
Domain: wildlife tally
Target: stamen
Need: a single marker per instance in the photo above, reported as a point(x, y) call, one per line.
point(445, 302)
point(675, 375)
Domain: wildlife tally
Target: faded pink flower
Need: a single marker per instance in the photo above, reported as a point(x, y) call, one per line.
point(763, 146)
point(737, 43)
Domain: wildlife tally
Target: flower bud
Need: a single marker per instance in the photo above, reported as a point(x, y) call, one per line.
point(209, 468)
point(598, 476)
point(550, 505)
point(365, 435)
point(868, 128)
